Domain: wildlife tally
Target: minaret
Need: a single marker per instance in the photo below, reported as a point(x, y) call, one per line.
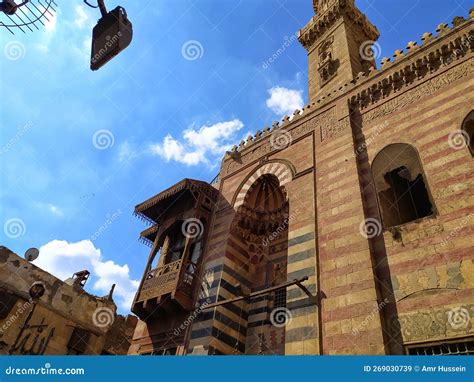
point(320, 6)
point(338, 40)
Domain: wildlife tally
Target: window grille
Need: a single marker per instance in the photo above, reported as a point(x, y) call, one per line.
point(279, 300)
point(448, 348)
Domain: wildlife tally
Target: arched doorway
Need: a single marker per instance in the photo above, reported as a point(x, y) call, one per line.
point(260, 229)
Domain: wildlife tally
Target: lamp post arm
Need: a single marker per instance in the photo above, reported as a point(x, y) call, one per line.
point(102, 8)
point(100, 5)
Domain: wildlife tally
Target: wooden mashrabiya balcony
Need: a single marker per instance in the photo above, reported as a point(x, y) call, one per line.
point(167, 288)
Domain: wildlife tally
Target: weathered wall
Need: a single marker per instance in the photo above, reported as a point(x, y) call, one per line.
point(431, 264)
point(51, 320)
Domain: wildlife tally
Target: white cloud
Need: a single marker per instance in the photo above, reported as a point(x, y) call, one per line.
point(87, 45)
point(68, 35)
point(199, 145)
point(55, 210)
point(81, 17)
point(50, 22)
point(63, 259)
point(126, 152)
point(43, 48)
point(284, 101)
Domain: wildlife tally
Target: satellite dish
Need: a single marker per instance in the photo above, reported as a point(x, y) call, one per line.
point(26, 15)
point(32, 254)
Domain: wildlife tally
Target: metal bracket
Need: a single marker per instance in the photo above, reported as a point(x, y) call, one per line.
point(258, 293)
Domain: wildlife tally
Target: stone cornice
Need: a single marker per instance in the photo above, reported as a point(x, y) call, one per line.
point(319, 24)
point(414, 64)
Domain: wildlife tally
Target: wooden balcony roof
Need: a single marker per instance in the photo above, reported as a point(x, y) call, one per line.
point(148, 235)
point(152, 209)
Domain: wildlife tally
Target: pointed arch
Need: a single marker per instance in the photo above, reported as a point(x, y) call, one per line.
point(282, 170)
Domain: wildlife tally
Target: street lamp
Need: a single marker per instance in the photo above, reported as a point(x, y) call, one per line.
point(112, 34)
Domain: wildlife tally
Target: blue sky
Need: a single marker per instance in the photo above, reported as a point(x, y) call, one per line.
point(79, 149)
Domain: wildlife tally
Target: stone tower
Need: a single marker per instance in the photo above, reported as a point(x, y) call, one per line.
point(320, 5)
point(338, 40)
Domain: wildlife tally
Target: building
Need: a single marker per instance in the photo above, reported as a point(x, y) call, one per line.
point(119, 337)
point(42, 315)
point(348, 228)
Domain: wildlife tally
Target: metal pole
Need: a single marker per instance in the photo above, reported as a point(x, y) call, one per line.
point(102, 8)
point(264, 291)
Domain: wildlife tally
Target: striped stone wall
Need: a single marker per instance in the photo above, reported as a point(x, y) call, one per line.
point(431, 262)
point(262, 336)
point(302, 329)
point(348, 283)
point(202, 331)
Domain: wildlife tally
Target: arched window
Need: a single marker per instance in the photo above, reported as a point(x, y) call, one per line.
point(401, 186)
point(468, 127)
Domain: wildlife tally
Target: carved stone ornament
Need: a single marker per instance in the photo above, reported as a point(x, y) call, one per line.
point(425, 89)
point(326, 66)
point(434, 324)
